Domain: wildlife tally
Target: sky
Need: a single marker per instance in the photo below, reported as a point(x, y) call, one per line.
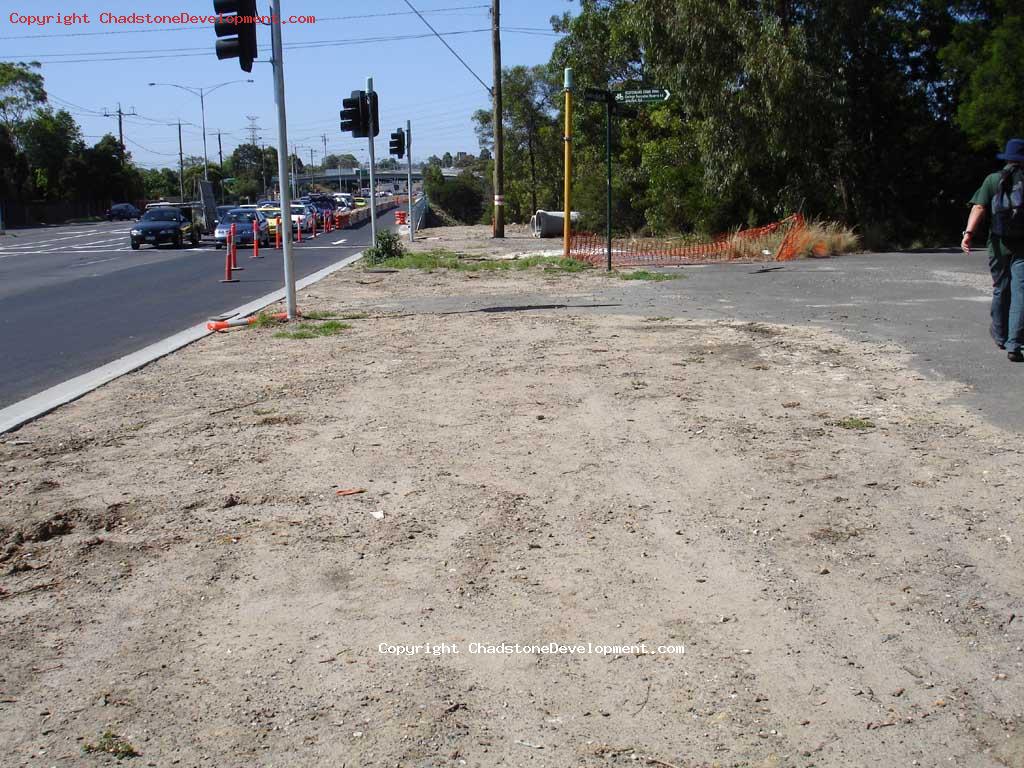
point(91, 68)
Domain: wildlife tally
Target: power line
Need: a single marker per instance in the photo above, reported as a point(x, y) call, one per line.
point(173, 53)
point(474, 74)
point(151, 151)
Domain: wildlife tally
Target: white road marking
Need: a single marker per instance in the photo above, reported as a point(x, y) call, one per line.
point(89, 263)
point(61, 239)
point(339, 242)
point(328, 247)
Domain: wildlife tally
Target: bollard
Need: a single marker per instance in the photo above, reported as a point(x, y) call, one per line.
point(255, 240)
point(277, 233)
point(234, 249)
point(313, 233)
point(227, 267)
point(298, 229)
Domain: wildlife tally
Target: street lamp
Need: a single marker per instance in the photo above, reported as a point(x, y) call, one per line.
point(202, 93)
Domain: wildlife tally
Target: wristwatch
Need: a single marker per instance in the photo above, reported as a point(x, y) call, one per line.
point(967, 233)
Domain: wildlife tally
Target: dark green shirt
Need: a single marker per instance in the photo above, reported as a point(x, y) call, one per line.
point(989, 189)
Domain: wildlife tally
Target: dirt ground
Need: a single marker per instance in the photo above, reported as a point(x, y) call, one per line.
point(477, 241)
point(835, 545)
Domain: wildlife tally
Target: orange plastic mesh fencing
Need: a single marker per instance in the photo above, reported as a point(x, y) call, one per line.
point(654, 252)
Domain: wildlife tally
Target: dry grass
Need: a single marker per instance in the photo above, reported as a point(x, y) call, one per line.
point(819, 239)
point(827, 238)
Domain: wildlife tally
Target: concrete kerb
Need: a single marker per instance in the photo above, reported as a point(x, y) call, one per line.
point(31, 408)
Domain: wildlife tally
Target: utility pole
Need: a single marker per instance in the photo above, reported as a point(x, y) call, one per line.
point(120, 134)
point(181, 166)
point(311, 160)
point(324, 137)
point(220, 160)
point(282, 157)
point(373, 178)
point(408, 184)
point(499, 133)
point(567, 224)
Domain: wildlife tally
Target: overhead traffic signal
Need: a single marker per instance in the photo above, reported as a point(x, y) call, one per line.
point(359, 115)
point(398, 143)
point(236, 30)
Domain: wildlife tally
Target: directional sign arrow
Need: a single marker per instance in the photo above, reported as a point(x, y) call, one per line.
point(642, 96)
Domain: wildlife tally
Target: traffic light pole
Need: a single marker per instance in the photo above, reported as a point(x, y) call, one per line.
point(408, 184)
point(373, 177)
point(608, 158)
point(282, 158)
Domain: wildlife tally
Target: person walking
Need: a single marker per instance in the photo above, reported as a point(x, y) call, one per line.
point(1001, 197)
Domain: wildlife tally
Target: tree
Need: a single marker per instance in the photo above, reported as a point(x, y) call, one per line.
point(388, 164)
point(21, 91)
point(48, 139)
point(840, 108)
point(14, 169)
point(446, 161)
point(991, 106)
point(434, 160)
point(102, 173)
point(246, 161)
point(462, 197)
point(159, 183)
point(341, 161)
point(532, 146)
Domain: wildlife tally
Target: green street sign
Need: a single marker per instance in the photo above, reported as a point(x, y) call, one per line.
point(642, 96)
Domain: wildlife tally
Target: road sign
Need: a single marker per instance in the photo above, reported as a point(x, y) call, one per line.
point(599, 95)
point(642, 96)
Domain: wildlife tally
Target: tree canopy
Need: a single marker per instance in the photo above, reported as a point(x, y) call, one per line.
point(883, 115)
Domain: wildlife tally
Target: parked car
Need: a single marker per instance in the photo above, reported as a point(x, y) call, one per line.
point(250, 225)
point(122, 212)
point(165, 224)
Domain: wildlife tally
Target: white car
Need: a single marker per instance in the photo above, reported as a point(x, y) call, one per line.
point(301, 218)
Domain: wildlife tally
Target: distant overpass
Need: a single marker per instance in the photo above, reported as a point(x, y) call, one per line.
point(347, 179)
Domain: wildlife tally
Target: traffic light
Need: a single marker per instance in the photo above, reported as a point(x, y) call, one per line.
point(398, 143)
point(352, 114)
point(237, 32)
point(359, 114)
point(373, 123)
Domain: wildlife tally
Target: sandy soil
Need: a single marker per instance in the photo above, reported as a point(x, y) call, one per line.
point(179, 569)
point(476, 241)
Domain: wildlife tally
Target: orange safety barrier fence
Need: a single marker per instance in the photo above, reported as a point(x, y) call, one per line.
point(654, 252)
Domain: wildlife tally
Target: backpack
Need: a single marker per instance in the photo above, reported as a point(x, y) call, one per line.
point(1008, 205)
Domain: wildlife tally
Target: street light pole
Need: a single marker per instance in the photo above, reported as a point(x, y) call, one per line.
point(202, 93)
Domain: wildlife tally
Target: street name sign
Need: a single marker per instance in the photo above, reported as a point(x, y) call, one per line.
point(642, 96)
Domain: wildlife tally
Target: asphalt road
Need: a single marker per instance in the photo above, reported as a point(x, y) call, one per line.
point(77, 297)
point(933, 304)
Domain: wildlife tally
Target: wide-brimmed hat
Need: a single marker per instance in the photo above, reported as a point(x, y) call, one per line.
point(1014, 151)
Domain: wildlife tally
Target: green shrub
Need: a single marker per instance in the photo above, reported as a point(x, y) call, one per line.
point(389, 246)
